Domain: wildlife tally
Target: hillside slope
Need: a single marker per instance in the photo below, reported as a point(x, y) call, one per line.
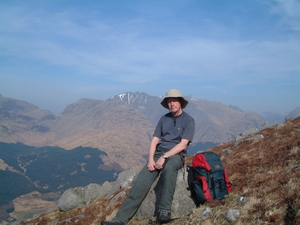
point(116, 128)
point(265, 171)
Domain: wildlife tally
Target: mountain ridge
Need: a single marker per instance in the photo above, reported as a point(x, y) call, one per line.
point(122, 125)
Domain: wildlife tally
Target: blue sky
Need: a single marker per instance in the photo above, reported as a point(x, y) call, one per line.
point(243, 53)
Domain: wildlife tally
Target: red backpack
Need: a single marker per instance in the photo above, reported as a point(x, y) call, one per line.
point(207, 178)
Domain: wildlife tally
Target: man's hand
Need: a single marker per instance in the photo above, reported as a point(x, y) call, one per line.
point(160, 163)
point(151, 165)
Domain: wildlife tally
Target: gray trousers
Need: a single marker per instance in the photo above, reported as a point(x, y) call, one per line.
point(142, 185)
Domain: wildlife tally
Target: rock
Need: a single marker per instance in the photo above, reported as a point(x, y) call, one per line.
point(71, 198)
point(232, 214)
point(124, 180)
point(227, 151)
point(206, 213)
point(258, 136)
point(76, 197)
point(264, 126)
point(115, 199)
point(242, 199)
point(91, 191)
point(181, 205)
point(279, 126)
point(246, 133)
point(236, 143)
point(106, 189)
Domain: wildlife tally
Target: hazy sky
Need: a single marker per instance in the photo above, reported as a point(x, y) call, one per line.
point(244, 53)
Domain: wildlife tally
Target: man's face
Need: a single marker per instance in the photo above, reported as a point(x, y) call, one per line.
point(174, 104)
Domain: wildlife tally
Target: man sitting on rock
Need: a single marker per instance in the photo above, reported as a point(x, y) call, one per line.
point(172, 135)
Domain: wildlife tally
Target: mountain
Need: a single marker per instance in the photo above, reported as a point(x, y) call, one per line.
point(293, 114)
point(117, 128)
point(274, 118)
point(215, 122)
point(148, 105)
point(121, 126)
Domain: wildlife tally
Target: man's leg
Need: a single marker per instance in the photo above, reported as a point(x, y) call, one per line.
point(137, 194)
point(169, 174)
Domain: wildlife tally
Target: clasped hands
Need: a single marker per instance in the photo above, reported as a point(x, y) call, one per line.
point(158, 165)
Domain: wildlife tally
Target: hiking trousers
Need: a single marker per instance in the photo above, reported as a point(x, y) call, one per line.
point(142, 185)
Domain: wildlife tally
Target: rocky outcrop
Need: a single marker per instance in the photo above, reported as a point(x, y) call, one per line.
point(182, 202)
point(76, 197)
point(182, 205)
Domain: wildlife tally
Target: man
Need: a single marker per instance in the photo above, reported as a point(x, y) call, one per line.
point(172, 135)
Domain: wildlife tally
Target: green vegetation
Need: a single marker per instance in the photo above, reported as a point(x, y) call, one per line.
point(48, 169)
point(13, 185)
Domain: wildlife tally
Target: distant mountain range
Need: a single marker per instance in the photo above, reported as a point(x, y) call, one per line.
point(121, 126)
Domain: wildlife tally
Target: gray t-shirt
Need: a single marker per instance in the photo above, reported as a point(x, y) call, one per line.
point(172, 129)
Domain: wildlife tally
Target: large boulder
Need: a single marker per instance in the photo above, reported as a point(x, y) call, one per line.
point(76, 197)
point(182, 202)
point(71, 198)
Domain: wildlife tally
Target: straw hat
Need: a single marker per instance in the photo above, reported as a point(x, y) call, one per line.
point(174, 93)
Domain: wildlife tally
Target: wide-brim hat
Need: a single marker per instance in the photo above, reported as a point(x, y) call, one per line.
point(174, 93)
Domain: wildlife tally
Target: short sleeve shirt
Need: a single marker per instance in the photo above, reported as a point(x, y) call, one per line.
point(172, 129)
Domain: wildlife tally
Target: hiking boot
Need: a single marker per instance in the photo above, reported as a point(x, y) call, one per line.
point(164, 216)
point(113, 222)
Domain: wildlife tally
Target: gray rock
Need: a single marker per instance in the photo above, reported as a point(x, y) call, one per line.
point(71, 198)
point(232, 214)
point(264, 126)
point(206, 213)
point(105, 188)
point(181, 205)
point(91, 191)
point(115, 199)
point(76, 197)
point(246, 133)
point(242, 199)
point(228, 151)
point(249, 131)
point(236, 143)
point(124, 180)
point(258, 136)
point(279, 126)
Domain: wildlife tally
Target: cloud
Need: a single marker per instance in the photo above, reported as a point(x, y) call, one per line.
point(109, 48)
point(289, 12)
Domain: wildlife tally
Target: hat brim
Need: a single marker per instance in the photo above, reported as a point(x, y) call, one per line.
point(164, 102)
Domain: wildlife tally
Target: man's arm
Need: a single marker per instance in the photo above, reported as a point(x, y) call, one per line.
point(181, 146)
point(152, 149)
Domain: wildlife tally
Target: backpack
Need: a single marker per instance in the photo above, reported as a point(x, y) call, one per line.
point(207, 178)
